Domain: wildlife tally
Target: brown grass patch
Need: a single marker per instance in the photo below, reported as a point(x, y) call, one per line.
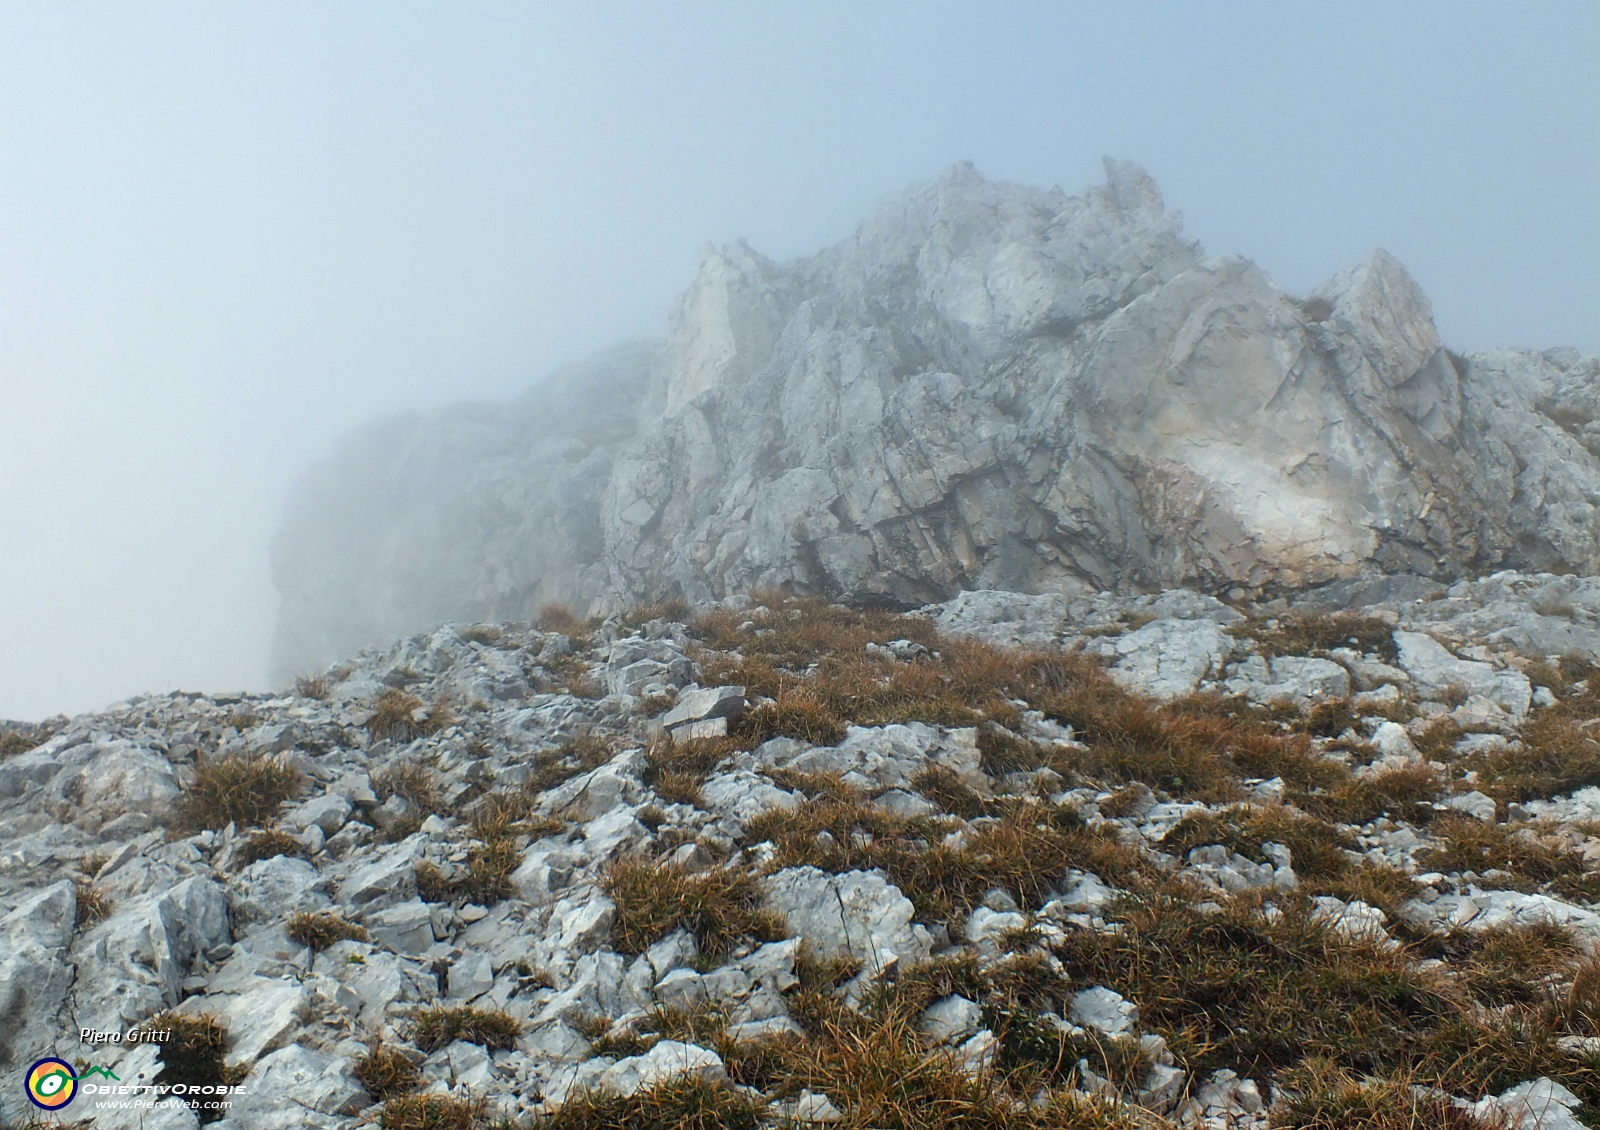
point(1237, 989)
point(557, 617)
point(236, 789)
point(880, 1072)
point(394, 716)
point(415, 783)
point(1405, 794)
point(810, 657)
point(676, 770)
point(1317, 633)
point(267, 843)
point(580, 755)
point(680, 1104)
point(387, 1072)
point(434, 1112)
point(1471, 845)
point(312, 686)
point(720, 908)
point(672, 608)
point(1320, 1096)
point(1561, 751)
point(192, 1053)
point(437, 1026)
point(94, 905)
point(321, 930)
point(1024, 852)
point(1316, 846)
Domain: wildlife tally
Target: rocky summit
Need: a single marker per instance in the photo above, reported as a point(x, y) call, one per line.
point(987, 386)
point(1012, 861)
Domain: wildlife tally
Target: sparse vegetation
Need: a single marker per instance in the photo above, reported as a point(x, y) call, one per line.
point(720, 908)
point(321, 930)
point(680, 1104)
point(437, 1026)
point(1321, 1096)
point(1561, 745)
point(267, 843)
point(497, 820)
point(94, 905)
point(434, 1112)
point(192, 1054)
point(387, 1072)
point(312, 686)
point(557, 617)
point(403, 717)
point(672, 608)
point(677, 769)
point(20, 737)
point(415, 783)
point(1317, 847)
point(236, 789)
point(1022, 852)
point(1319, 633)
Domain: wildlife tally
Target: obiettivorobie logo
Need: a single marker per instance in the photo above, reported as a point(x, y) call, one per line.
point(52, 1083)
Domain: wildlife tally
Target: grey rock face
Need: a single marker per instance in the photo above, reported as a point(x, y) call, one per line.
point(475, 512)
point(986, 387)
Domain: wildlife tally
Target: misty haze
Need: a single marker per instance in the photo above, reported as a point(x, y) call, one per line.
point(1032, 568)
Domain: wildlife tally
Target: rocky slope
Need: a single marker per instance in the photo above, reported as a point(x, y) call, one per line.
point(987, 386)
point(994, 864)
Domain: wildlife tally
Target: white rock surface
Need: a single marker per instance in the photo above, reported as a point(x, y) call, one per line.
point(858, 914)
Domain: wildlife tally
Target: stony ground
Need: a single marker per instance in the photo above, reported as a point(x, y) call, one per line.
point(1009, 862)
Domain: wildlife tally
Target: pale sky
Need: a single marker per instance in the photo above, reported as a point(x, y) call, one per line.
point(230, 232)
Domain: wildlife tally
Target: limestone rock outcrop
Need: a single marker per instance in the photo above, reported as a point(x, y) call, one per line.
point(987, 386)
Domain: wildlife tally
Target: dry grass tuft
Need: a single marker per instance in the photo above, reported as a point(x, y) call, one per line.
point(672, 608)
point(877, 1068)
point(312, 686)
point(556, 617)
point(434, 1112)
point(415, 783)
point(720, 908)
point(1471, 845)
point(1405, 794)
point(401, 717)
point(676, 770)
point(1508, 964)
point(580, 755)
point(387, 1072)
point(811, 658)
point(439, 1025)
point(1025, 851)
point(1264, 996)
point(319, 931)
point(1561, 749)
point(498, 820)
point(267, 843)
point(94, 905)
point(1316, 846)
point(1321, 1096)
point(1317, 633)
point(236, 789)
point(20, 737)
point(680, 1104)
point(192, 1054)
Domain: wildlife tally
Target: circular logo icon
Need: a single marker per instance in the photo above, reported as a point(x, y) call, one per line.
point(52, 1083)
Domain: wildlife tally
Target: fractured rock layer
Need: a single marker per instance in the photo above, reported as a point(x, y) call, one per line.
point(987, 386)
